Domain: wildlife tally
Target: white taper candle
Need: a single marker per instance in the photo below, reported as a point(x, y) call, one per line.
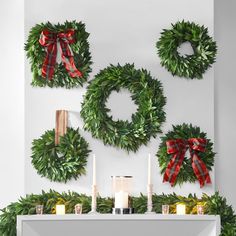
point(149, 169)
point(94, 170)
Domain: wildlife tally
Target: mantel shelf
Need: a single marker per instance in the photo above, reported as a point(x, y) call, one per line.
point(108, 224)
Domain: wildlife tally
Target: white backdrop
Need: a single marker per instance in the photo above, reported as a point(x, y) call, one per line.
point(225, 95)
point(121, 32)
point(11, 101)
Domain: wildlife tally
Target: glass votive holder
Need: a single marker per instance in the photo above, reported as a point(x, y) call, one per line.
point(78, 209)
point(200, 209)
point(165, 209)
point(39, 209)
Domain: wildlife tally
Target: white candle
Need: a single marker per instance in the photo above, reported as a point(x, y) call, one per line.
point(121, 199)
point(180, 209)
point(149, 169)
point(94, 170)
point(60, 209)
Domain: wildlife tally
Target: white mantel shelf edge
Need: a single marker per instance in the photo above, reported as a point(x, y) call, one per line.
point(33, 219)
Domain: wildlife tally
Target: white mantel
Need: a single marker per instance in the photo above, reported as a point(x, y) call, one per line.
point(116, 225)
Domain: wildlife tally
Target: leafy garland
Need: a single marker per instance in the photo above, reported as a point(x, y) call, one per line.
point(60, 162)
point(213, 205)
point(147, 94)
point(189, 66)
point(36, 53)
point(185, 132)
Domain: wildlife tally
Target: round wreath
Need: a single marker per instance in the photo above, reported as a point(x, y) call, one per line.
point(79, 47)
point(188, 66)
point(147, 94)
point(185, 132)
point(60, 162)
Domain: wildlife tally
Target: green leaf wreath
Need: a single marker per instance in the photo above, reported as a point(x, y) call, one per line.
point(80, 48)
point(147, 94)
point(213, 205)
point(60, 162)
point(185, 131)
point(188, 66)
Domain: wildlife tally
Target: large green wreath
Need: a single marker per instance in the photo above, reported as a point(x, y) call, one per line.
point(80, 48)
point(185, 132)
point(188, 66)
point(60, 162)
point(147, 94)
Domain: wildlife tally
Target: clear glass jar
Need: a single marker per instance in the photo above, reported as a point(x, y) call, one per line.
point(122, 186)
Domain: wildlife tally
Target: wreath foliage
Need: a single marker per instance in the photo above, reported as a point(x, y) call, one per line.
point(213, 205)
point(188, 66)
point(147, 94)
point(80, 48)
point(185, 132)
point(60, 162)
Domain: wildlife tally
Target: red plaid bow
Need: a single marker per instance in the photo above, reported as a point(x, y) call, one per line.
point(178, 148)
point(49, 40)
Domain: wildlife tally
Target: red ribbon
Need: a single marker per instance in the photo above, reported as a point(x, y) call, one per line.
point(178, 148)
point(49, 40)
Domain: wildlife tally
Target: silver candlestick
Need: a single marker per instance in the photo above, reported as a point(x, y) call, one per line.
point(149, 199)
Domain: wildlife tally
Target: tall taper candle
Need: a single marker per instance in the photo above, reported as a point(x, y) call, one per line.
point(149, 169)
point(94, 170)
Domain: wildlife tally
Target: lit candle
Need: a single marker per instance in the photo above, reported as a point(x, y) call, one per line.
point(94, 170)
point(60, 209)
point(149, 169)
point(180, 209)
point(121, 199)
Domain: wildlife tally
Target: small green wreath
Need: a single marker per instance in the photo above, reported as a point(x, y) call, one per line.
point(60, 162)
point(78, 47)
point(188, 66)
point(147, 94)
point(185, 132)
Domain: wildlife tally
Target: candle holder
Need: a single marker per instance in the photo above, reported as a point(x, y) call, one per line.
point(149, 200)
point(39, 209)
point(94, 201)
point(200, 209)
point(121, 192)
point(78, 209)
point(165, 209)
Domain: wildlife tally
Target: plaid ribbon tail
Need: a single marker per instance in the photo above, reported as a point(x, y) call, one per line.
point(177, 149)
point(197, 145)
point(47, 40)
point(200, 170)
point(68, 60)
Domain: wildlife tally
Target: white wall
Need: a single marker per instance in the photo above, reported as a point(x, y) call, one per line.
point(11, 101)
point(121, 31)
point(102, 34)
point(225, 96)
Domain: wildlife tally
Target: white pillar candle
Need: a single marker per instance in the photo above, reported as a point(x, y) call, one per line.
point(180, 209)
point(149, 169)
point(121, 199)
point(94, 170)
point(60, 209)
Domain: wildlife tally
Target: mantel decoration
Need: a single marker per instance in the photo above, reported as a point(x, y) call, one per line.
point(172, 155)
point(188, 66)
point(42, 49)
point(213, 205)
point(121, 192)
point(60, 162)
point(94, 189)
point(146, 92)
